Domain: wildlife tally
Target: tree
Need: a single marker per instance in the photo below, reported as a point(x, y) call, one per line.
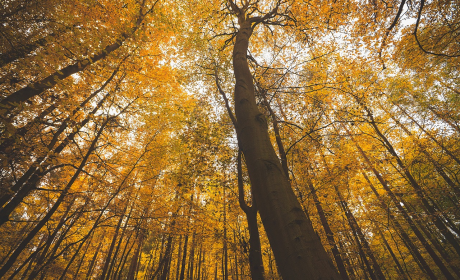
point(124, 156)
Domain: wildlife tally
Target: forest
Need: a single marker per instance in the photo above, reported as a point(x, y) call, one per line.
point(230, 139)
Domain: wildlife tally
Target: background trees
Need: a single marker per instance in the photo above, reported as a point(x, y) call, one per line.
point(119, 156)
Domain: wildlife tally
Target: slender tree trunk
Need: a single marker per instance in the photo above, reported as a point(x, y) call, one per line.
point(184, 257)
point(13, 100)
point(134, 260)
point(418, 190)
point(436, 165)
point(124, 255)
point(179, 254)
point(93, 261)
point(399, 268)
point(404, 236)
point(120, 241)
point(79, 266)
point(433, 239)
point(108, 258)
point(255, 253)
point(361, 242)
point(375, 271)
point(329, 234)
point(7, 265)
point(28, 181)
point(436, 113)
point(444, 148)
point(52, 255)
point(191, 258)
point(408, 220)
point(166, 258)
point(30, 260)
point(225, 248)
point(124, 261)
point(198, 265)
point(42, 256)
point(346, 259)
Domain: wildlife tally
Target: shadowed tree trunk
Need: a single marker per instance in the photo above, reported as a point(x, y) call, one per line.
point(430, 208)
point(13, 100)
point(7, 265)
point(255, 253)
point(406, 216)
point(329, 233)
point(297, 248)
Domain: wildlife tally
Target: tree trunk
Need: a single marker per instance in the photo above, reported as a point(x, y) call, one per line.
point(297, 248)
point(53, 209)
point(12, 101)
point(93, 261)
point(436, 165)
point(329, 234)
point(417, 188)
point(444, 148)
point(179, 254)
point(191, 258)
point(108, 258)
point(32, 176)
point(255, 252)
point(408, 219)
point(134, 260)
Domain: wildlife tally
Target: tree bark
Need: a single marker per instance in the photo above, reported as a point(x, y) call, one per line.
point(329, 233)
point(297, 248)
point(417, 188)
point(408, 219)
point(108, 258)
point(13, 100)
point(134, 260)
point(256, 264)
point(53, 209)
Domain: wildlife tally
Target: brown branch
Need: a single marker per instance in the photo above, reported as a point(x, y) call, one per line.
point(224, 96)
point(241, 199)
point(416, 37)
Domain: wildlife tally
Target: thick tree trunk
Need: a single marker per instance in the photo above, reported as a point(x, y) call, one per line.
point(297, 248)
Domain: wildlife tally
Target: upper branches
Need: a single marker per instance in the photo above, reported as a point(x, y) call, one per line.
point(252, 12)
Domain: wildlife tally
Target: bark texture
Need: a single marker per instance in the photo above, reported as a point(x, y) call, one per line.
point(297, 249)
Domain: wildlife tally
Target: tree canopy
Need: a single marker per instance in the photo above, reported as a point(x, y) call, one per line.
point(229, 139)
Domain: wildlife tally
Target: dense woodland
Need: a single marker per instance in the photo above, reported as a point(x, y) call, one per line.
point(229, 139)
